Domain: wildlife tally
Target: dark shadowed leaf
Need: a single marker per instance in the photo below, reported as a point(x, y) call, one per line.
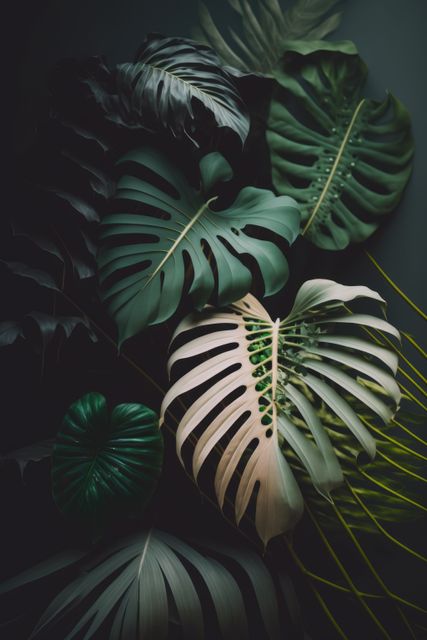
point(152, 580)
point(168, 75)
point(31, 453)
point(105, 463)
point(10, 331)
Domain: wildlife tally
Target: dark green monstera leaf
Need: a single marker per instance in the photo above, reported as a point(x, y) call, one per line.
point(169, 73)
point(143, 262)
point(105, 463)
point(345, 158)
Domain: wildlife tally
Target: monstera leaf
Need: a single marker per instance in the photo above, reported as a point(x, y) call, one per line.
point(343, 157)
point(267, 373)
point(153, 582)
point(142, 262)
point(169, 73)
point(266, 30)
point(105, 464)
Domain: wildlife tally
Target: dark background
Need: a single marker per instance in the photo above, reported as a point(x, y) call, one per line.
point(390, 35)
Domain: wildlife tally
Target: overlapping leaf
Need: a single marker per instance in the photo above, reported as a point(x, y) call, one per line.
point(153, 582)
point(105, 464)
point(345, 158)
point(265, 31)
point(142, 262)
point(266, 373)
point(168, 75)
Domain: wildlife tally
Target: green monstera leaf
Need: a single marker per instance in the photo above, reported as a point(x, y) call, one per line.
point(345, 158)
point(143, 260)
point(169, 73)
point(105, 464)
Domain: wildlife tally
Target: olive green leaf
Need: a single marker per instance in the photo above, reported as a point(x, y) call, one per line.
point(265, 31)
point(345, 158)
point(103, 463)
point(142, 262)
point(168, 74)
point(273, 375)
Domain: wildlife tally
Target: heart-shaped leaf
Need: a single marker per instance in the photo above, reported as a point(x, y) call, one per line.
point(169, 73)
point(105, 464)
point(345, 158)
point(142, 262)
point(257, 398)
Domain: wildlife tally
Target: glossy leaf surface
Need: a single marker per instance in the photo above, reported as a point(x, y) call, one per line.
point(105, 464)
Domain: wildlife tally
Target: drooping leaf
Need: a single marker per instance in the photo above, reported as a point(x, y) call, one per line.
point(47, 328)
point(103, 463)
point(345, 158)
point(266, 367)
point(154, 580)
point(266, 30)
point(40, 277)
point(176, 223)
point(31, 453)
point(10, 331)
point(168, 75)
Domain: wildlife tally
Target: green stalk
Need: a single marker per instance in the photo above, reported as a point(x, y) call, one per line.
point(380, 527)
point(396, 288)
point(373, 571)
point(346, 576)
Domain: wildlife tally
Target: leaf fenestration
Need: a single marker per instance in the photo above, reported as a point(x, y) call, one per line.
point(274, 375)
point(175, 222)
point(345, 158)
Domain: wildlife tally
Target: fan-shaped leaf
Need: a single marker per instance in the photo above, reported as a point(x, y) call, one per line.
point(345, 158)
point(103, 464)
point(177, 222)
point(266, 30)
point(152, 580)
point(260, 403)
point(169, 73)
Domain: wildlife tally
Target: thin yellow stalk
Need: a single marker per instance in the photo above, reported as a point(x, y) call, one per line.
point(346, 576)
point(396, 288)
point(380, 527)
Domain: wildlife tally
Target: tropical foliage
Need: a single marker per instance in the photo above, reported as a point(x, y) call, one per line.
point(346, 159)
point(105, 465)
point(176, 222)
point(266, 370)
point(138, 210)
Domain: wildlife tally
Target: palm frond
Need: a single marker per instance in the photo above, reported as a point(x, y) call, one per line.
point(265, 30)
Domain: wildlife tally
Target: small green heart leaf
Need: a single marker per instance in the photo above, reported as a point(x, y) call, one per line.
point(345, 158)
point(163, 225)
point(105, 464)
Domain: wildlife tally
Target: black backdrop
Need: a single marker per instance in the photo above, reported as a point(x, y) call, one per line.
point(390, 35)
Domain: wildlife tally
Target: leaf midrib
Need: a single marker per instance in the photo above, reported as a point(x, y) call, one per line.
point(194, 88)
point(334, 167)
point(181, 236)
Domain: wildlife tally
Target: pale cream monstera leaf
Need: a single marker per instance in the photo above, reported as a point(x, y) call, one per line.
point(268, 376)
